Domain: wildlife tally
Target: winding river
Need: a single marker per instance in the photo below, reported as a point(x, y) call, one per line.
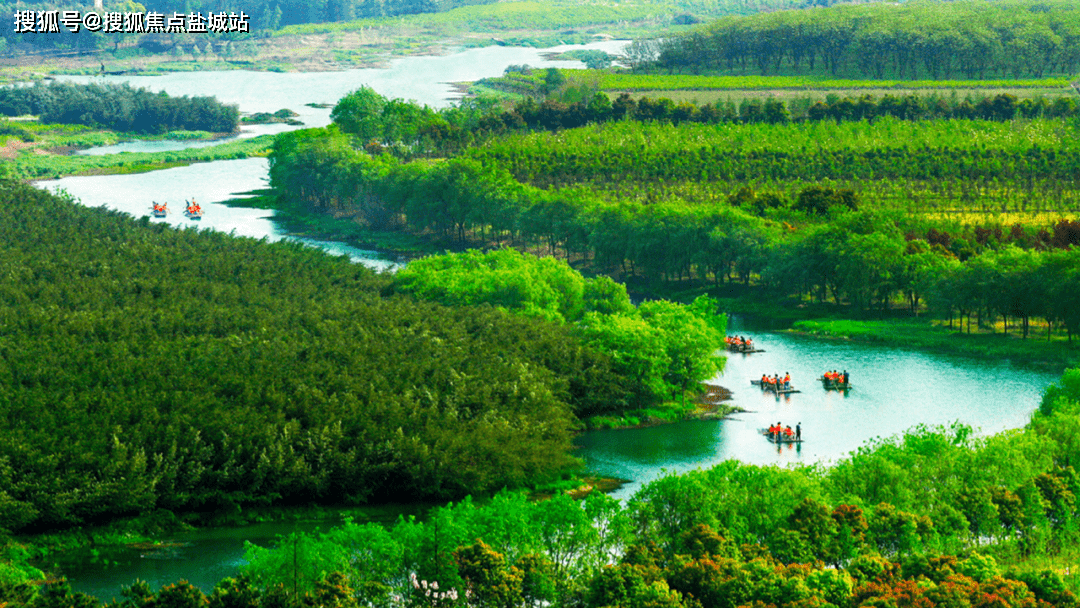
point(895, 388)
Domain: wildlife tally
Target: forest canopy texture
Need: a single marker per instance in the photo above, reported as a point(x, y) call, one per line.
point(971, 39)
point(147, 367)
point(118, 106)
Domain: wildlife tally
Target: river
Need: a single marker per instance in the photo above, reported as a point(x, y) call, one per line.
point(895, 388)
point(428, 80)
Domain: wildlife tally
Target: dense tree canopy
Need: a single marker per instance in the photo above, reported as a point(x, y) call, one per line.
point(146, 367)
point(972, 39)
point(119, 107)
point(662, 349)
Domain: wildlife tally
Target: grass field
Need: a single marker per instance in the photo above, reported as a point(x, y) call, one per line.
point(625, 81)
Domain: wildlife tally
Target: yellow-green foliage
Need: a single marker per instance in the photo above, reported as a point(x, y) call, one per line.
point(659, 82)
point(666, 348)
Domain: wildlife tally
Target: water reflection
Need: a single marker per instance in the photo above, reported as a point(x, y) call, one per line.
point(893, 390)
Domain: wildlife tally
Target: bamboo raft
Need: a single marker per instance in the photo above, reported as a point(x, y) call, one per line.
point(832, 385)
point(781, 391)
point(780, 439)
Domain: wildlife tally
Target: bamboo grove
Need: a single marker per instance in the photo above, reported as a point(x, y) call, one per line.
point(147, 368)
point(865, 212)
point(929, 518)
point(969, 39)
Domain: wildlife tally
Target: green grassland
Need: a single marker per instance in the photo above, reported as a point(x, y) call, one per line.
point(802, 98)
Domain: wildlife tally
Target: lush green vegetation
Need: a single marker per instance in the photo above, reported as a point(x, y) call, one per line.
point(724, 200)
point(30, 164)
point(410, 131)
point(152, 368)
point(118, 107)
point(935, 517)
point(941, 337)
point(666, 349)
point(252, 373)
point(970, 39)
point(588, 107)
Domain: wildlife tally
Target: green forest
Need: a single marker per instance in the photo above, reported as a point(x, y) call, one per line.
point(866, 210)
point(152, 376)
point(929, 518)
point(969, 39)
point(152, 368)
point(119, 107)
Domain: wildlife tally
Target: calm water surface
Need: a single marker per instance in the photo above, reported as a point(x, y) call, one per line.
point(423, 79)
point(893, 390)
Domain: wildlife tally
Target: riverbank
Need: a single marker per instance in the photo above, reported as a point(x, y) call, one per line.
point(29, 162)
point(171, 543)
point(822, 320)
point(1055, 355)
point(709, 405)
point(397, 245)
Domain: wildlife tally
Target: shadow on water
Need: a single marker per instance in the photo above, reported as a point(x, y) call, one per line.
point(201, 557)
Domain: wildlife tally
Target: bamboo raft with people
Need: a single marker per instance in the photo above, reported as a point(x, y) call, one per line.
point(739, 344)
point(836, 381)
point(193, 210)
point(776, 384)
point(779, 433)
